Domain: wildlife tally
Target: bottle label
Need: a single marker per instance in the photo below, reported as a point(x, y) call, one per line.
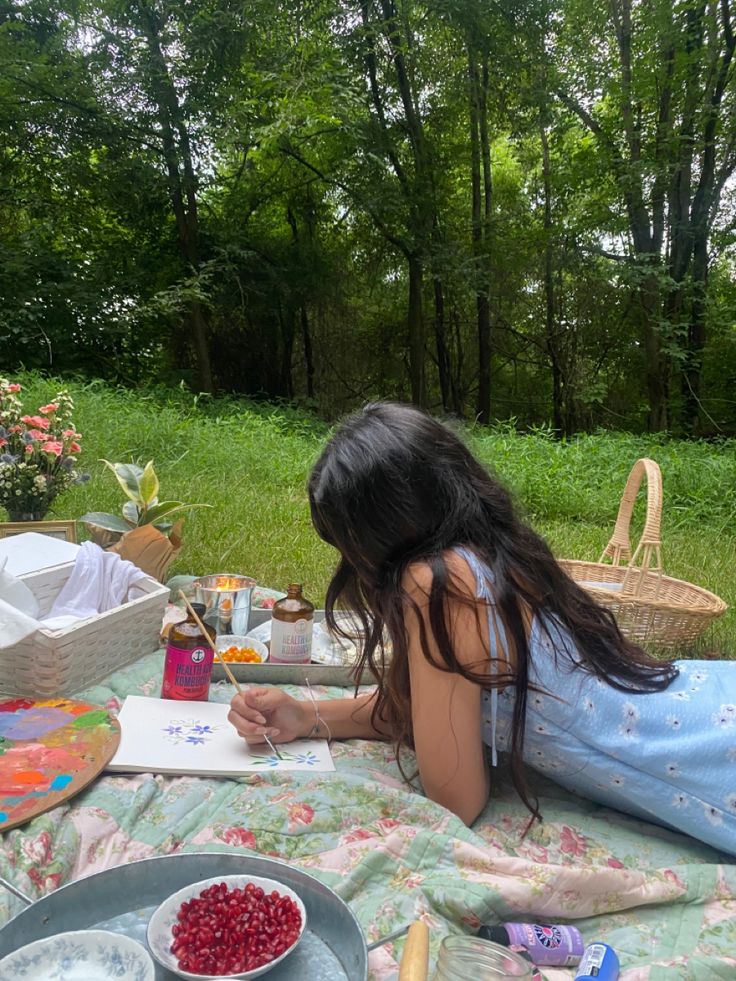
point(187, 673)
point(549, 944)
point(593, 957)
point(291, 643)
point(599, 961)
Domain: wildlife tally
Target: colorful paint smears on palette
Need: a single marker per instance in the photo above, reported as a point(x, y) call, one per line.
point(49, 750)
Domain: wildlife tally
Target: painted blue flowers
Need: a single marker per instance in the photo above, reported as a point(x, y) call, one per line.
point(189, 731)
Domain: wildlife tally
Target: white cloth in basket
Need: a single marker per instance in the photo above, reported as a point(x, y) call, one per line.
point(18, 608)
point(99, 581)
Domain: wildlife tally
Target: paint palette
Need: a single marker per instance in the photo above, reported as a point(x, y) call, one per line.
point(50, 749)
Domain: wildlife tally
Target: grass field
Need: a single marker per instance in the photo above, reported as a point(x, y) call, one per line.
point(250, 462)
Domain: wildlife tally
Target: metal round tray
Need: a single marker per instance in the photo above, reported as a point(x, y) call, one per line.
point(122, 899)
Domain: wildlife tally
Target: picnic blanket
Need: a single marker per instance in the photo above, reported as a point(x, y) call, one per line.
point(665, 903)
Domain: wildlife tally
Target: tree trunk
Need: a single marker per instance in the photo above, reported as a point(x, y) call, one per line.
point(182, 183)
point(478, 225)
point(287, 329)
point(657, 369)
point(198, 333)
point(443, 354)
point(696, 338)
point(418, 191)
point(558, 421)
point(646, 230)
point(705, 201)
point(308, 352)
point(415, 327)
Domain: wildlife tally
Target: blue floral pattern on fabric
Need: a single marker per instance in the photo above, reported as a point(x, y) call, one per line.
point(668, 757)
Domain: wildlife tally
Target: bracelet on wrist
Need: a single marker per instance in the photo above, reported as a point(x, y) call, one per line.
point(318, 720)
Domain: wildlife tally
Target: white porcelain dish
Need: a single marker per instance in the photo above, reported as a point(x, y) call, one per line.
point(81, 955)
point(159, 934)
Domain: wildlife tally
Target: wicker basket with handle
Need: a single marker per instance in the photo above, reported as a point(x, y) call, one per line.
point(650, 607)
point(52, 663)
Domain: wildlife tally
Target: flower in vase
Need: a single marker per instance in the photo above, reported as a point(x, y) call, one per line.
point(38, 422)
point(38, 458)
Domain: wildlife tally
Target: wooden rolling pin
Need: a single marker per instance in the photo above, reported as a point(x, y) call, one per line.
point(415, 958)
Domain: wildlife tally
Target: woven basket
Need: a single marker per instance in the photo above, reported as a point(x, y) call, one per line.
point(50, 663)
point(650, 607)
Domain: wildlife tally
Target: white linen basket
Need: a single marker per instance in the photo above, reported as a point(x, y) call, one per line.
point(50, 663)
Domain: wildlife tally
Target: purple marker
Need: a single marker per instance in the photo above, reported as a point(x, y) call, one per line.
point(548, 944)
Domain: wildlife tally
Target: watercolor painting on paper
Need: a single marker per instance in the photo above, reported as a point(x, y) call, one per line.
point(50, 749)
point(189, 731)
point(195, 739)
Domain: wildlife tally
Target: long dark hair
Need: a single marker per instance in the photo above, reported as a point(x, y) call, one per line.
point(394, 486)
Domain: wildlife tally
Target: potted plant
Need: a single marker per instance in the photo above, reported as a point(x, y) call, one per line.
point(143, 532)
point(38, 453)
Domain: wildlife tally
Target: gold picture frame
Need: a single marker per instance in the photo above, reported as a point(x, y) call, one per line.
point(65, 530)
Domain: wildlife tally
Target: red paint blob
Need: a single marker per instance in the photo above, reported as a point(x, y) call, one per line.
point(16, 703)
point(29, 777)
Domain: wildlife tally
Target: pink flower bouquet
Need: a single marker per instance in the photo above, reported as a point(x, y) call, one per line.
point(38, 453)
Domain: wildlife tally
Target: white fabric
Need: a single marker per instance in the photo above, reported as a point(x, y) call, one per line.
point(18, 608)
point(15, 592)
point(99, 581)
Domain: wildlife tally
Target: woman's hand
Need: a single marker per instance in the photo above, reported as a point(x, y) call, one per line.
point(259, 712)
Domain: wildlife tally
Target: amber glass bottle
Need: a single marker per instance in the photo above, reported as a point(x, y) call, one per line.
point(189, 657)
point(291, 628)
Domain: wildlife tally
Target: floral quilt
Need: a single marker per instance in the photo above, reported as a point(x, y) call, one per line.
point(665, 903)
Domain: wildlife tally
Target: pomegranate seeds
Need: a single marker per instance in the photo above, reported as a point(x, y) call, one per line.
point(229, 931)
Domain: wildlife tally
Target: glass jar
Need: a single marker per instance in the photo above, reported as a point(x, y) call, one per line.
point(463, 958)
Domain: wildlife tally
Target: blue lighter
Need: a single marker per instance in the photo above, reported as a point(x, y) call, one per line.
point(599, 963)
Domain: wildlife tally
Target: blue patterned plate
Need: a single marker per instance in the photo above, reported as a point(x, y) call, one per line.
point(83, 955)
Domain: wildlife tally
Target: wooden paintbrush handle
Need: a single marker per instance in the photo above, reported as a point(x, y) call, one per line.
point(228, 672)
point(415, 958)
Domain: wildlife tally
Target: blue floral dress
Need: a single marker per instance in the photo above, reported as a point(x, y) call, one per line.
point(667, 757)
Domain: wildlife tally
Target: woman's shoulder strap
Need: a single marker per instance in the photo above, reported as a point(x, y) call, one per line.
point(497, 642)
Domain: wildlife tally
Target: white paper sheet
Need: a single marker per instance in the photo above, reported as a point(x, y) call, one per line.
point(195, 738)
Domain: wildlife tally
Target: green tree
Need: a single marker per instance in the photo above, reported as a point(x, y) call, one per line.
point(653, 83)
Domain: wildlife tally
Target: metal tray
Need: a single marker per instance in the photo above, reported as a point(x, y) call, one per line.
point(122, 899)
point(341, 675)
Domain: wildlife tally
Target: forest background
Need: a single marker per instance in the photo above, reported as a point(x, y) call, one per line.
point(500, 209)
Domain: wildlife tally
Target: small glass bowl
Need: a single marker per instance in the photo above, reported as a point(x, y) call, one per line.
point(224, 641)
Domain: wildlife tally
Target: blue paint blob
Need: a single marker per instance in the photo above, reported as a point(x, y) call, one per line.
point(3, 816)
point(63, 780)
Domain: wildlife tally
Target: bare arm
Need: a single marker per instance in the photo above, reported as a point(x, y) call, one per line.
point(446, 708)
point(272, 712)
point(348, 718)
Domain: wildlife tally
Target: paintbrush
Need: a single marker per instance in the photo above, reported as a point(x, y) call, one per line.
point(224, 663)
point(15, 891)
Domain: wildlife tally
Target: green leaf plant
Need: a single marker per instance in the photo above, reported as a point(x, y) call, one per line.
point(141, 486)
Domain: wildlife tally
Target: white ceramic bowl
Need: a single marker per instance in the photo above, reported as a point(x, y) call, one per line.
point(160, 938)
point(80, 955)
point(223, 641)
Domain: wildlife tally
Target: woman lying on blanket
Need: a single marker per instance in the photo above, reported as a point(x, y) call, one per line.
point(495, 647)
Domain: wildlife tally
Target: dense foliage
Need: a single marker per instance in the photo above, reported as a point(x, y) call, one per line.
point(504, 208)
